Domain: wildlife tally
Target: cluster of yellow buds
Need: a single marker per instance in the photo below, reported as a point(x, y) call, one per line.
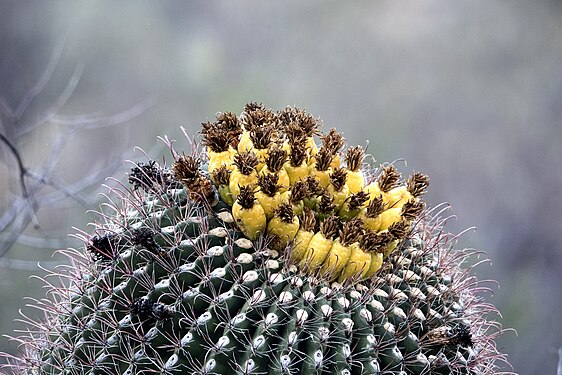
point(312, 201)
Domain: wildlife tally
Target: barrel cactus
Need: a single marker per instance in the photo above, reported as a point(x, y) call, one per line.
point(263, 252)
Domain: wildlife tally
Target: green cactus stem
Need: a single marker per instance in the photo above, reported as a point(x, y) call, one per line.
point(169, 283)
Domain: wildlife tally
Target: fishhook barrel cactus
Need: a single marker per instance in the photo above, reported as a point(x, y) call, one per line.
point(263, 252)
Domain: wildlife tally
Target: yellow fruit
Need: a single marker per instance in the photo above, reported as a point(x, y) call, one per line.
point(217, 159)
point(248, 215)
point(311, 151)
point(416, 184)
point(353, 160)
point(284, 231)
point(284, 225)
point(262, 137)
point(371, 215)
point(302, 239)
point(238, 179)
point(262, 157)
point(313, 192)
point(396, 232)
point(225, 194)
point(296, 166)
point(389, 217)
point(353, 205)
point(245, 143)
point(320, 244)
point(268, 194)
point(335, 260)
point(388, 179)
point(388, 249)
point(286, 146)
point(311, 147)
point(337, 188)
point(316, 251)
point(373, 190)
point(267, 166)
point(221, 179)
point(303, 236)
point(357, 266)
point(298, 207)
point(396, 197)
point(296, 195)
point(371, 223)
point(298, 173)
point(244, 173)
point(321, 167)
point(376, 264)
point(268, 203)
point(339, 196)
point(412, 209)
point(336, 161)
point(332, 143)
point(323, 177)
point(355, 181)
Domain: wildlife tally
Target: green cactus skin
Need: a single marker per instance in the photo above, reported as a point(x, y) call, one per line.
point(169, 285)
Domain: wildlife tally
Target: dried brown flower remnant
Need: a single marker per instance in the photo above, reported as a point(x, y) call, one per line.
point(354, 158)
point(389, 178)
point(417, 184)
point(246, 162)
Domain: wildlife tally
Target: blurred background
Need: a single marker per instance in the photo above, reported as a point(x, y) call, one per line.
point(469, 92)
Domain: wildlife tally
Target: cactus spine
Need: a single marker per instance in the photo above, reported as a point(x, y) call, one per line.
point(341, 271)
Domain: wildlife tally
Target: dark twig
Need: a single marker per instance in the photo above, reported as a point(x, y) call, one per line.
point(22, 171)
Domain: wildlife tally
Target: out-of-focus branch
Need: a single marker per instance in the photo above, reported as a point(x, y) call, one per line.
point(22, 208)
point(41, 82)
point(559, 372)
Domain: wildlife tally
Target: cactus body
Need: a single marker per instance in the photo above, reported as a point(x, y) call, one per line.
point(171, 284)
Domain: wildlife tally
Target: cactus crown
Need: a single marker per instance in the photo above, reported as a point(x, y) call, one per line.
point(412, 209)
point(308, 222)
point(189, 276)
point(261, 136)
point(312, 186)
point(398, 230)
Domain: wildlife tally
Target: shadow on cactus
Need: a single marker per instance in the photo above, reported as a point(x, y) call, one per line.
point(263, 252)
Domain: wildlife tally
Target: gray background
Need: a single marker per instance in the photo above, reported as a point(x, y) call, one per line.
point(469, 92)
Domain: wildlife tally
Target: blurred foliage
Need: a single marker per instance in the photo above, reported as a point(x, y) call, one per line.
point(469, 92)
